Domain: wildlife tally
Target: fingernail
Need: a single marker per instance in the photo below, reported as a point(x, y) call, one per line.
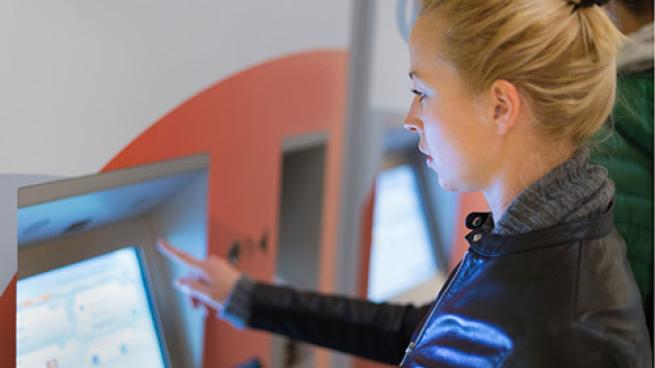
point(179, 285)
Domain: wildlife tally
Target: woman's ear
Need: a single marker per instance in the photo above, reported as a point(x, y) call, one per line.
point(505, 103)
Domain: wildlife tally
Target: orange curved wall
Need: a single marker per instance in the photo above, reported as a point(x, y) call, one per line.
point(241, 123)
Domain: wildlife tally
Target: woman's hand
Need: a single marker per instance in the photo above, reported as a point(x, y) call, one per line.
point(210, 281)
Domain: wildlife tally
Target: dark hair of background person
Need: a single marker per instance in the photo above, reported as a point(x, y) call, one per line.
point(638, 7)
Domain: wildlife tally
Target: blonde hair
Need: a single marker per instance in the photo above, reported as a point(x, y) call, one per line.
point(562, 60)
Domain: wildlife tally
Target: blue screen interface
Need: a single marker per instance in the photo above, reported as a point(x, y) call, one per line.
point(402, 254)
point(94, 313)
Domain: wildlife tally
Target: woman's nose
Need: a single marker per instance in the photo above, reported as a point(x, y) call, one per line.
point(410, 126)
point(412, 122)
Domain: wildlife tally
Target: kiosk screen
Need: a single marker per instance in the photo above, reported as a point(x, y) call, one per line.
point(94, 313)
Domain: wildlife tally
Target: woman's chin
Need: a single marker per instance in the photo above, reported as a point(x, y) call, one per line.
point(451, 184)
point(447, 185)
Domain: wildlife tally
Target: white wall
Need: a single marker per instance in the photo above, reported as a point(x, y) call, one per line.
point(390, 84)
point(81, 79)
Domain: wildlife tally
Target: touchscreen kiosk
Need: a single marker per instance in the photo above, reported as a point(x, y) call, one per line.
point(93, 313)
point(402, 254)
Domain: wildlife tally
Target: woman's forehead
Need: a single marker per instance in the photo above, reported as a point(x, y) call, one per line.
point(426, 63)
point(424, 46)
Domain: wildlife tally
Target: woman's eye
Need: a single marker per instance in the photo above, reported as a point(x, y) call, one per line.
point(418, 94)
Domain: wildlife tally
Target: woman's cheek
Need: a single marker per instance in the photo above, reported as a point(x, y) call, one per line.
point(435, 136)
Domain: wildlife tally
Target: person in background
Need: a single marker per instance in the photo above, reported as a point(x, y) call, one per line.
point(507, 95)
point(626, 150)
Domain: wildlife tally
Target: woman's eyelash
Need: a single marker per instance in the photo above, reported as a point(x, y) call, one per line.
point(418, 93)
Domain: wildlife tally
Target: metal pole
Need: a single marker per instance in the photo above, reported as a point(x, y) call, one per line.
point(362, 146)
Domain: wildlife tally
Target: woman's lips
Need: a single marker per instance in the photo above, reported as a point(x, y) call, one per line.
point(428, 158)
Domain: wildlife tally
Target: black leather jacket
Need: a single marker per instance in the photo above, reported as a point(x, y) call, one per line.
point(557, 297)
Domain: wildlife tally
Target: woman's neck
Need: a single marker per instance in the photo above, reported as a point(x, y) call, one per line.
point(521, 169)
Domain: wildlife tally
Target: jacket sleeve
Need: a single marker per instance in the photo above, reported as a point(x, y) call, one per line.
point(375, 331)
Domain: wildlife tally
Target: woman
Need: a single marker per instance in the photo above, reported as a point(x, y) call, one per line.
point(507, 92)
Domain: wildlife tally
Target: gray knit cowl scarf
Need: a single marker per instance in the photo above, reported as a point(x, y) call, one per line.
point(572, 191)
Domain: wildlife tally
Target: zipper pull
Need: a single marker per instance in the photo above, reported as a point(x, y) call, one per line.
point(409, 349)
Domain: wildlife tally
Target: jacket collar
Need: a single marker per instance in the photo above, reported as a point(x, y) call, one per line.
point(482, 241)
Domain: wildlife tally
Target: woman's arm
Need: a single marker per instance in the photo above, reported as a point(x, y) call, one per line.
point(375, 331)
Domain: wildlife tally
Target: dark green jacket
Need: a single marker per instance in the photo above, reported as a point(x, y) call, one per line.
point(627, 152)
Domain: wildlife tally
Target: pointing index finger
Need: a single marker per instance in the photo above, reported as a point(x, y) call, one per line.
point(179, 256)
